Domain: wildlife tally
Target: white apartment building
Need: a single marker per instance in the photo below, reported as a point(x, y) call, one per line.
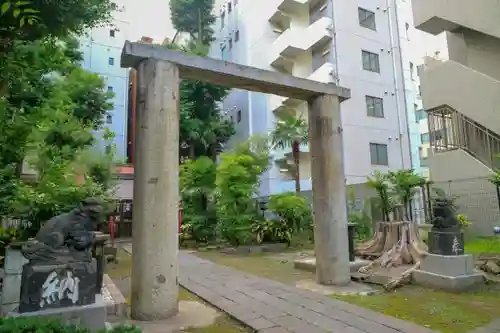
point(363, 45)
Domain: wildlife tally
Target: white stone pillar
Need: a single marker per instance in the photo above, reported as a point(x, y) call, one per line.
point(156, 193)
point(329, 191)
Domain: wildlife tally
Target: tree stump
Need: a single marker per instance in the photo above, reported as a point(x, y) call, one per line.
point(394, 244)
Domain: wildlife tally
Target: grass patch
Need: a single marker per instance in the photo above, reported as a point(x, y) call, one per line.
point(259, 264)
point(483, 245)
point(441, 311)
point(122, 269)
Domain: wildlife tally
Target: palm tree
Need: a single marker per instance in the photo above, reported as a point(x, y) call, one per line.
point(291, 131)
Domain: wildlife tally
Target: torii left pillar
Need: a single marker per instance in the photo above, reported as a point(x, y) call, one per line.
point(156, 192)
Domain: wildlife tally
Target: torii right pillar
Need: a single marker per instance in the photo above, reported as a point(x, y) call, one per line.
point(329, 191)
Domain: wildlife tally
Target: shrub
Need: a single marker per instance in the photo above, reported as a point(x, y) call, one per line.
point(237, 181)
point(292, 209)
point(272, 231)
point(363, 228)
point(42, 325)
point(463, 221)
point(197, 183)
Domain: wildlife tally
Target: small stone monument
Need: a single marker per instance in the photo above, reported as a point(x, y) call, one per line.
point(446, 266)
point(60, 277)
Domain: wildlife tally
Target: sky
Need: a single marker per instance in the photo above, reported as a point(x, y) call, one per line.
point(149, 18)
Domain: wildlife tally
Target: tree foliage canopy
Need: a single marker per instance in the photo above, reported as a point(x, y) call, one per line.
point(191, 15)
point(203, 130)
point(49, 108)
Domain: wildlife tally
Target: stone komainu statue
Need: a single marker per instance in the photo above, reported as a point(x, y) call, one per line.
point(67, 237)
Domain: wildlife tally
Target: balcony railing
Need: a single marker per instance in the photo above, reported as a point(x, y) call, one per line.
point(452, 130)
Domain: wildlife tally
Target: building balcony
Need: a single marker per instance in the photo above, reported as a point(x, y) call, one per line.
point(294, 41)
point(436, 16)
point(284, 104)
point(280, 10)
point(471, 93)
point(324, 74)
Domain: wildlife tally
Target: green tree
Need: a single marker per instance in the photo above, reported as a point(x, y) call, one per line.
point(203, 131)
point(194, 17)
point(197, 185)
point(405, 184)
point(49, 108)
point(291, 132)
point(237, 182)
point(385, 201)
point(52, 18)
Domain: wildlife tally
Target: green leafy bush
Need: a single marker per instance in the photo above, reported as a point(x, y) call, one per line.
point(292, 209)
point(41, 325)
point(197, 183)
point(363, 221)
point(237, 181)
point(272, 231)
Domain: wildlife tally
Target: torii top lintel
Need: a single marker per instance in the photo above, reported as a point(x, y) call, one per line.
point(229, 74)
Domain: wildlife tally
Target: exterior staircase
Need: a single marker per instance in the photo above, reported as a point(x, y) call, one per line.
point(452, 130)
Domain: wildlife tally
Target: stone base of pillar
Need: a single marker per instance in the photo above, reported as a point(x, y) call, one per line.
point(450, 273)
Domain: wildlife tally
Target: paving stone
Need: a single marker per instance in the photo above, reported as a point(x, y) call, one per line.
point(260, 302)
point(260, 324)
point(296, 325)
point(274, 330)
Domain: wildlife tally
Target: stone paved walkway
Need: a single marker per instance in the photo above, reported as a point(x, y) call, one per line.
point(268, 306)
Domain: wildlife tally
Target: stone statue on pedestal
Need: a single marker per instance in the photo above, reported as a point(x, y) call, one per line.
point(68, 237)
point(446, 236)
point(61, 271)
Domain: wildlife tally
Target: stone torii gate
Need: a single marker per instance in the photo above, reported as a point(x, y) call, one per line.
point(156, 180)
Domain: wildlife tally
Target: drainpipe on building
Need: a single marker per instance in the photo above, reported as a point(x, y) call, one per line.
point(336, 69)
point(396, 81)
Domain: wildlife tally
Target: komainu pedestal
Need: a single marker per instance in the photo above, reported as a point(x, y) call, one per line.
point(48, 286)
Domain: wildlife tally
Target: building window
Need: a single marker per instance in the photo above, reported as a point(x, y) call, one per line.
point(411, 70)
point(110, 89)
point(111, 61)
point(231, 42)
point(378, 154)
point(112, 33)
point(222, 19)
point(109, 119)
point(374, 107)
point(425, 137)
point(113, 6)
point(232, 119)
point(229, 7)
point(371, 61)
point(108, 149)
point(367, 19)
point(407, 29)
point(236, 35)
point(239, 116)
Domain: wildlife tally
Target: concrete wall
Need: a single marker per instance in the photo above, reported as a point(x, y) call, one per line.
point(463, 176)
